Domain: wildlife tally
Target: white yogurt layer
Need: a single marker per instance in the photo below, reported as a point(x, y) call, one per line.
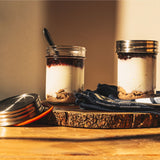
point(136, 74)
point(67, 77)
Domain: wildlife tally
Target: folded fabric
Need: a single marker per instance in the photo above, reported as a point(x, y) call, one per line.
point(105, 98)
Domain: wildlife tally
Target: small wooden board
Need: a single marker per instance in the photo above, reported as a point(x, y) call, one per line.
point(73, 116)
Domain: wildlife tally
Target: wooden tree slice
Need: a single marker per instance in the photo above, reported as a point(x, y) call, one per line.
point(73, 116)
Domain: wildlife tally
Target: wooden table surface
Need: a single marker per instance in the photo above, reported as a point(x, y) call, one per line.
point(49, 142)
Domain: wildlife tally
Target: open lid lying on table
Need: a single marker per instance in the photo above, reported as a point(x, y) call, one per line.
point(21, 110)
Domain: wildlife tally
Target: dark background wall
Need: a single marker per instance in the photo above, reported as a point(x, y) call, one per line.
point(91, 24)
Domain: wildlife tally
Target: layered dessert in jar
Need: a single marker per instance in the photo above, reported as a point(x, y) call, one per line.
point(136, 68)
point(65, 74)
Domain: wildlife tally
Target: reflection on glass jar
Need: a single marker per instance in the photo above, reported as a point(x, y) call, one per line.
point(64, 74)
point(136, 68)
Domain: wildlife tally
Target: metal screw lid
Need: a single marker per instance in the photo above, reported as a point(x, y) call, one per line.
point(21, 109)
point(67, 51)
point(137, 46)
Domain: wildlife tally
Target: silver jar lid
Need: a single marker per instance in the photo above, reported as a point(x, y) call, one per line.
point(21, 110)
point(67, 51)
point(137, 46)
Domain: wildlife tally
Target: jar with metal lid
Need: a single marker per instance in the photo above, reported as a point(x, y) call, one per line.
point(64, 73)
point(136, 68)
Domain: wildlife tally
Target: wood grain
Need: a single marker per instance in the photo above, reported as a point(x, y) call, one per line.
point(73, 116)
point(48, 142)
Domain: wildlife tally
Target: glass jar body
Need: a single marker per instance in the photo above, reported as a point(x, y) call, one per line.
point(136, 75)
point(64, 77)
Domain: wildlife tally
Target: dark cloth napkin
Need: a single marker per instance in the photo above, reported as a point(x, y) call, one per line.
point(105, 98)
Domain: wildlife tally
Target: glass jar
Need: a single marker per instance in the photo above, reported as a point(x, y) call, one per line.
point(136, 68)
point(64, 73)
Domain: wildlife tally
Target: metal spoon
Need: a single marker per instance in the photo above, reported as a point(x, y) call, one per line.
point(50, 41)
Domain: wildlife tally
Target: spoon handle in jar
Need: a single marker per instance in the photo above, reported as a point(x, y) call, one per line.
point(48, 37)
point(50, 41)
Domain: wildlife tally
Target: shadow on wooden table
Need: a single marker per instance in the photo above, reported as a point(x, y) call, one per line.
point(153, 137)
